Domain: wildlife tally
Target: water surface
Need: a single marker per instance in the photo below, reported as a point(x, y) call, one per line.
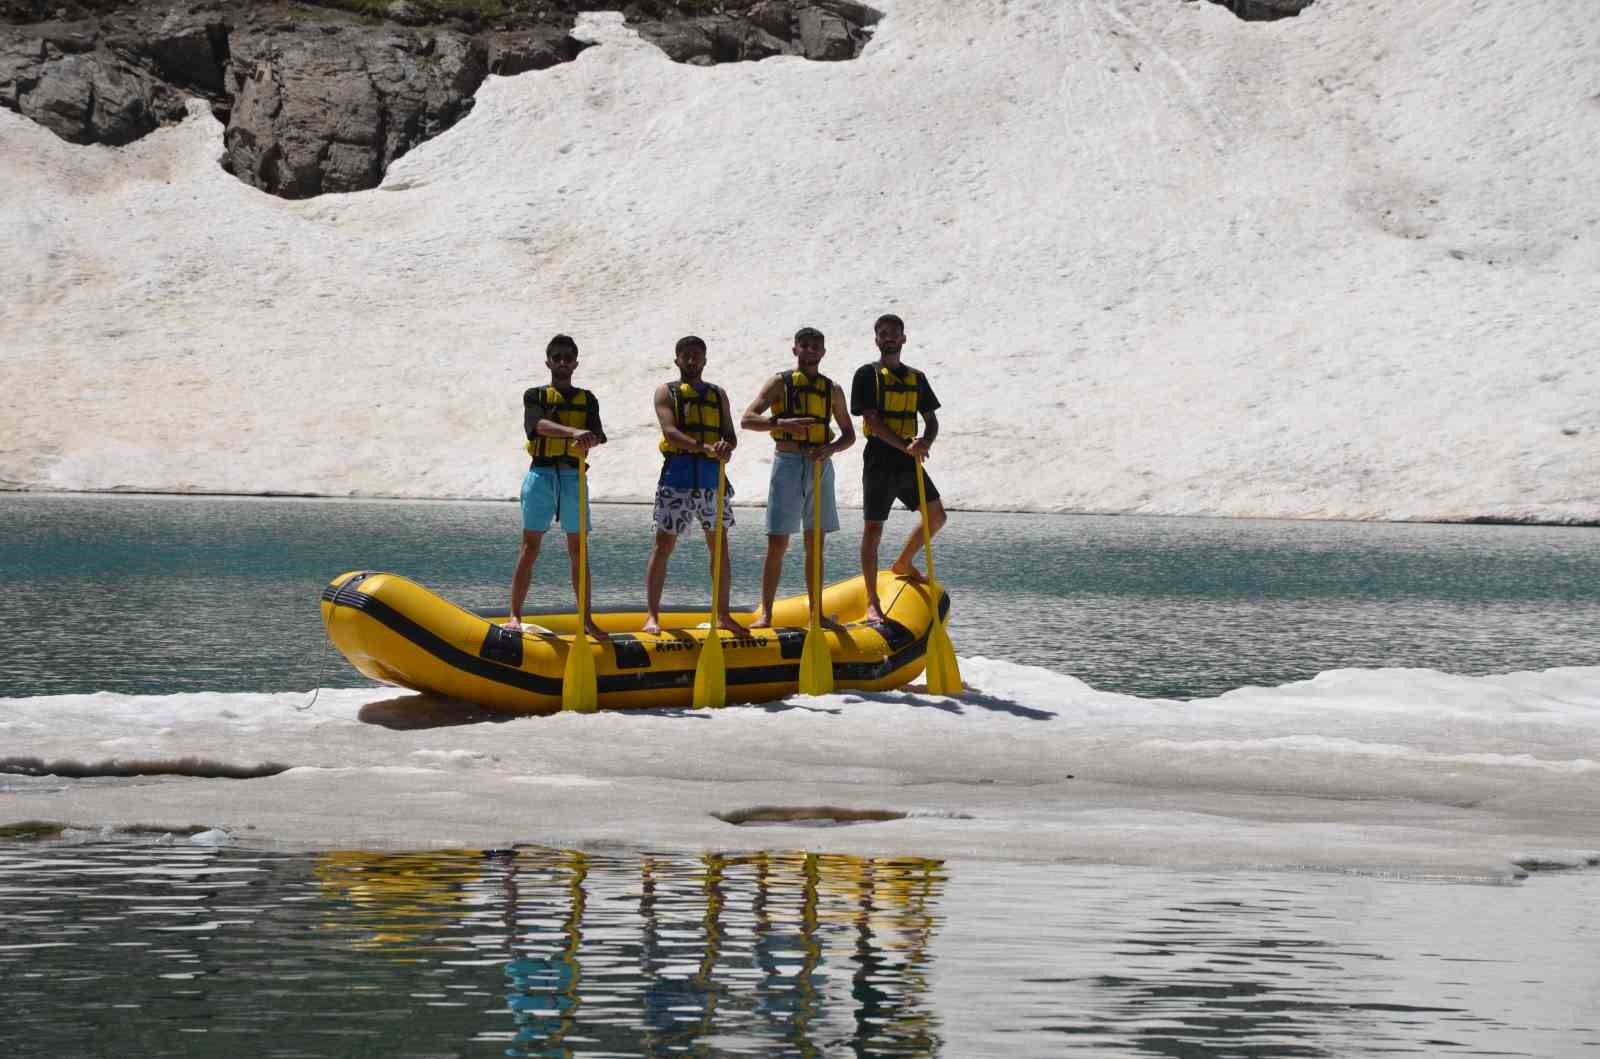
point(177, 950)
point(156, 595)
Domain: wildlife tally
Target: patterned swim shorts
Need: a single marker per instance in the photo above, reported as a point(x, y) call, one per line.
point(676, 509)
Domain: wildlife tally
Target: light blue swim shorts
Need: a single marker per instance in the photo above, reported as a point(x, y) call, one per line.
point(789, 500)
point(549, 492)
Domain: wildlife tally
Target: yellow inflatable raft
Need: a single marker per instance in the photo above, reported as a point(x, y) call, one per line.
point(396, 631)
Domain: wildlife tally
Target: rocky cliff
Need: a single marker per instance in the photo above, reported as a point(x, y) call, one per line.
point(324, 97)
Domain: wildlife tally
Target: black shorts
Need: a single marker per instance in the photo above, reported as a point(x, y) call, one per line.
point(889, 477)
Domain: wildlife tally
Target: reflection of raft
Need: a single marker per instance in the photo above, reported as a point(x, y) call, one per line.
point(396, 631)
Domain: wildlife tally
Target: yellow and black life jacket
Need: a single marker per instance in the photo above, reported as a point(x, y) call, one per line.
point(568, 411)
point(697, 412)
point(897, 403)
point(804, 396)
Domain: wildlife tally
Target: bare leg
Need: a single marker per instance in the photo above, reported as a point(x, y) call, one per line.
point(815, 596)
point(655, 577)
point(905, 566)
point(589, 627)
point(724, 616)
point(771, 572)
point(871, 535)
point(522, 576)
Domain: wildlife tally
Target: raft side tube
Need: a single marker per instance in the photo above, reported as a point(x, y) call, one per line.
point(395, 631)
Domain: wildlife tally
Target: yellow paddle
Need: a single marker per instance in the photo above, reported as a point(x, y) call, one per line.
point(944, 675)
point(711, 672)
point(816, 661)
point(579, 691)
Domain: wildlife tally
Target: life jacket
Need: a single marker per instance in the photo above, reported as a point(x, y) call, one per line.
point(897, 403)
point(568, 411)
point(803, 396)
point(697, 412)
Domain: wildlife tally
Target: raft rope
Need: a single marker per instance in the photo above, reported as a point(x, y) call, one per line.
point(322, 671)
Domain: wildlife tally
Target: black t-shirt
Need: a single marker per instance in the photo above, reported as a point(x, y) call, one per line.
point(864, 398)
point(533, 410)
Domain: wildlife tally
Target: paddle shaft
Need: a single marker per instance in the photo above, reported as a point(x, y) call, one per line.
point(814, 575)
point(716, 552)
point(927, 537)
point(710, 671)
point(583, 543)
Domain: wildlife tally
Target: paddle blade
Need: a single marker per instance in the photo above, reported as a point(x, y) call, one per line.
point(579, 690)
point(816, 663)
point(711, 673)
point(944, 675)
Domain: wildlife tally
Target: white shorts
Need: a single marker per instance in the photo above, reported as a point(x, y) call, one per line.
point(677, 509)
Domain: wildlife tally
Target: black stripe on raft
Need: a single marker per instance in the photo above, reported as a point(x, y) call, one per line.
point(631, 654)
point(447, 653)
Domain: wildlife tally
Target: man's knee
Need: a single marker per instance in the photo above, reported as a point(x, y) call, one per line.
point(574, 542)
point(777, 543)
point(871, 534)
point(530, 544)
point(936, 517)
point(665, 543)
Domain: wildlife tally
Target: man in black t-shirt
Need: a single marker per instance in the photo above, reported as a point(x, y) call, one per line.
point(889, 396)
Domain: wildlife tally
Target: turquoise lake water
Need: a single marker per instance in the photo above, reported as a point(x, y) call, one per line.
point(157, 595)
point(126, 945)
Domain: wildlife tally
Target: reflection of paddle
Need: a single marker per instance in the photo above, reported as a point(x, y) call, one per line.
point(578, 689)
point(711, 672)
point(816, 662)
point(944, 676)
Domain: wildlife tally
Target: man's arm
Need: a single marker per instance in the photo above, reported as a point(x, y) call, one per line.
point(535, 422)
point(930, 430)
point(730, 437)
point(668, 420)
point(753, 419)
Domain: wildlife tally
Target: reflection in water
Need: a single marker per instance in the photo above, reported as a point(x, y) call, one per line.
point(667, 953)
point(177, 950)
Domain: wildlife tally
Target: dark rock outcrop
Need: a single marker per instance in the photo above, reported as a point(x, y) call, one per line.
point(324, 98)
point(822, 30)
point(1265, 10)
point(322, 112)
point(87, 86)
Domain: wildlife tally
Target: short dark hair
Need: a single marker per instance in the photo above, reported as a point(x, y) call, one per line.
point(889, 318)
point(560, 342)
point(689, 342)
point(808, 332)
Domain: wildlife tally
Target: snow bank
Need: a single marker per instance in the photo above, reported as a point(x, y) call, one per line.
point(1355, 769)
point(1156, 259)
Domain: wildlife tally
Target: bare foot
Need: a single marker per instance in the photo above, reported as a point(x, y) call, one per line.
point(652, 625)
point(832, 625)
point(875, 612)
point(515, 625)
point(763, 621)
point(595, 631)
point(909, 573)
point(727, 624)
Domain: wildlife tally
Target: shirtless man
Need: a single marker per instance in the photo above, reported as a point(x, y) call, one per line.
point(888, 396)
point(802, 403)
point(697, 436)
point(560, 421)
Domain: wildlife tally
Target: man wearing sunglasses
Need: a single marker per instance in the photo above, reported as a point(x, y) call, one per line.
point(560, 421)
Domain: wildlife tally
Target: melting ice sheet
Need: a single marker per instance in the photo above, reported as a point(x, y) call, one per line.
point(1406, 770)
